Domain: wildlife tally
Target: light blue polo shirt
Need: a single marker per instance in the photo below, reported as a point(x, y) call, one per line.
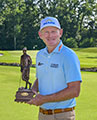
point(54, 70)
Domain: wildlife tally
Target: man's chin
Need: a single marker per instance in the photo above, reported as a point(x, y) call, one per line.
point(51, 43)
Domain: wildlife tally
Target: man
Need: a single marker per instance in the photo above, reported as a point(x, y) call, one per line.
point(25, 63)
point(58, 75)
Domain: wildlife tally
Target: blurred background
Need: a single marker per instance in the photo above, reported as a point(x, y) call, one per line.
point(20, 20)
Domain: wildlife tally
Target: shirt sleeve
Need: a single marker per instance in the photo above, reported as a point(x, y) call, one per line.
point(72, 68)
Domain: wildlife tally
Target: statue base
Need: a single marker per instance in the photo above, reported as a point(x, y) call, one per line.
point(23, 95)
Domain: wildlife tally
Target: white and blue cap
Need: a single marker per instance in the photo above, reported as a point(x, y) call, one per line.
point(49, 21)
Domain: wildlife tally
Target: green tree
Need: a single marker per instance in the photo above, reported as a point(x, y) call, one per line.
point(70, 42)
point(20, 19)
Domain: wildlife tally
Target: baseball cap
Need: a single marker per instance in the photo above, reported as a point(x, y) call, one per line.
point(25, 48)
point(49, 21)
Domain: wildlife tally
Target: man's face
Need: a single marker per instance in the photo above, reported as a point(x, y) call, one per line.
point(24, 51)
point(51, 36)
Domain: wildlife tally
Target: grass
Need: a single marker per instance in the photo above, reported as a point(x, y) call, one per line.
point(87, 56)
point(14, 56)
point(9, 83)
point(9, 80)
point(87, 101)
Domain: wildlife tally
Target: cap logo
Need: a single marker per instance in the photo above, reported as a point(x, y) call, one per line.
point(49, 21)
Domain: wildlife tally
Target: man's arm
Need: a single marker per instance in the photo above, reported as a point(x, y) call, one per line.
point(21, 67)
point(70, 92)
point(35, 86)
point(29, 61)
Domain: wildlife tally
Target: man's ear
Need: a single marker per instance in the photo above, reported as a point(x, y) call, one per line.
point(40, 34)
point(61, 32)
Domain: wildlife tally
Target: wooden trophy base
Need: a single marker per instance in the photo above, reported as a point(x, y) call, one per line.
point(23, 95)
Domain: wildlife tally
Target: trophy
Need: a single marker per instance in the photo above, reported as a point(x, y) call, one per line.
point(24, 94)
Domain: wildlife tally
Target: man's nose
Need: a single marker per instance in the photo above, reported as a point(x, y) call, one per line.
point(50, 34)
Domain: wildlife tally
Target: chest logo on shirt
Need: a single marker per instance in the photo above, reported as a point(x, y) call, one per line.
point(39, 64)
point(54, 65)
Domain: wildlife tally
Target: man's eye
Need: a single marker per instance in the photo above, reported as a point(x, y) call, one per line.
point(53, 31)
point(46, 32)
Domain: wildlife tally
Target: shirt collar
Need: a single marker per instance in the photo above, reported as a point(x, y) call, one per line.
point(56, 50)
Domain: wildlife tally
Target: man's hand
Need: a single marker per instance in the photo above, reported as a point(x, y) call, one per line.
point(37, 100)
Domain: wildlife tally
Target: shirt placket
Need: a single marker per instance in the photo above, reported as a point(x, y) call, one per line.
point(48, 62)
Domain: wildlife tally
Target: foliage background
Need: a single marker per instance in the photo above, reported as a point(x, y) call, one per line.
point(20, 19)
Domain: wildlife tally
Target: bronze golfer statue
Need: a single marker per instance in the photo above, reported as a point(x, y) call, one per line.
point(25, 63)
point(24, 94)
